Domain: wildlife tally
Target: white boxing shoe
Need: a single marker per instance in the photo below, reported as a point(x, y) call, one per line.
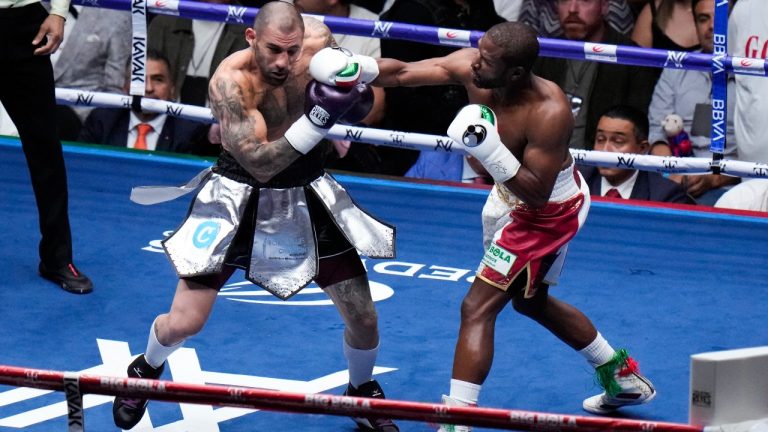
point(623, 384)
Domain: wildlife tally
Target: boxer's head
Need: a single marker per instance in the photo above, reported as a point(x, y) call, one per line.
point(276, 37)
point(505, 55)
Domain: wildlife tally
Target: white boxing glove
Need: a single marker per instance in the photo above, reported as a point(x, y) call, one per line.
point(339, 67)
point(475, 128)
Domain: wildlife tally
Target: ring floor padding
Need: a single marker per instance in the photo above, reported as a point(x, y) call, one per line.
point(663, 282)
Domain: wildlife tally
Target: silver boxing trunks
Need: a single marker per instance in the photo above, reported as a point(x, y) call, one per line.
point(273, 234)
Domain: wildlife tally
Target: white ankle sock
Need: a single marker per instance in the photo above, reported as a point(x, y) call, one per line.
point(361, 363)
point(598, 352)
point(464, 391)
point(157, 353)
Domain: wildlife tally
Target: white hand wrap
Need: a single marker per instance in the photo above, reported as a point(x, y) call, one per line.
point(475, 128)
point(303, 135)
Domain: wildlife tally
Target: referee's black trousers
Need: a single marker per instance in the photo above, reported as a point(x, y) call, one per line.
point(27, 92)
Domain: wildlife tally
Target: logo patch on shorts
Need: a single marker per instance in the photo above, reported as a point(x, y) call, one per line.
point(205, 234)
point(499, 259)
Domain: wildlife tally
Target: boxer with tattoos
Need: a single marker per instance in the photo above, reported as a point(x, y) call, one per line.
point(268, 207)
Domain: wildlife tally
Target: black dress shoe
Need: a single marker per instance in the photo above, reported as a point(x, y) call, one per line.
point(69, 278)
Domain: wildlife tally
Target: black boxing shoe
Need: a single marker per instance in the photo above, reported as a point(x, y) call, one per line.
point(127, 412)
point(68, 277)
point(371, 389)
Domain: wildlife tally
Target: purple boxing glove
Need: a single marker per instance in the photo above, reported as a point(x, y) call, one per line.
point(360, 110)
point(324, 105)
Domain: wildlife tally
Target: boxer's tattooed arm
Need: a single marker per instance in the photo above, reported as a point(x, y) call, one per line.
point(244, 131)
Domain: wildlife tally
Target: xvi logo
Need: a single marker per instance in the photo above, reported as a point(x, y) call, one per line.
point(381, 29)
point(235, 14)
point(174, 110)
point(760, 170)
point(84, 98)
point(675, 58)
point(21, 412)
point(444, 144)
point(353, 134)
point(397, 138)
point(625, 160)
point(579, 156)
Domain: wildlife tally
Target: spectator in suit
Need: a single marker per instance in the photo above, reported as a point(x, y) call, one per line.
point(194, 49)
point(593, 87)
point(624, 129)
point(149, 131)
point(687, 94)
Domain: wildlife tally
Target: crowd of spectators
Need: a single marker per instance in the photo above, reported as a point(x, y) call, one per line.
point(190, 50)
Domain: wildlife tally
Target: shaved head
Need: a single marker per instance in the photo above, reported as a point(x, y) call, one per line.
point(518, 42)
point(278, 15)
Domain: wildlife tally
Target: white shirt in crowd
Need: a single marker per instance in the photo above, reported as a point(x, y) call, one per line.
point(748, 37)
point(624, 189)
point(157, 124)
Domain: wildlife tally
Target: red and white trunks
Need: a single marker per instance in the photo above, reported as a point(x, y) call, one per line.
point(522, 239)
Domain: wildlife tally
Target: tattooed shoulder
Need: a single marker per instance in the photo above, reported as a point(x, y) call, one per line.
point(317, 32)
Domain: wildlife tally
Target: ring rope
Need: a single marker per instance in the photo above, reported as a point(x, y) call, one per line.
point(326, 404)
point(629, 55)
point(419, 141)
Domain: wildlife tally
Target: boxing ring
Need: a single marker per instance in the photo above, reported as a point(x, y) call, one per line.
point(667, 281)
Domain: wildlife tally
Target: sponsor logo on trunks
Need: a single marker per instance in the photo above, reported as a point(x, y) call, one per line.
point(499, 259)
point(205, 234)
point(319, 116)
point(84, 98)
point(600, 52)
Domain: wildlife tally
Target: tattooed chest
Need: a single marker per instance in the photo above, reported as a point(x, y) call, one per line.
point(282, 106)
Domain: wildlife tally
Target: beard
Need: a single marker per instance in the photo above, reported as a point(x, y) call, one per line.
point(488, 82)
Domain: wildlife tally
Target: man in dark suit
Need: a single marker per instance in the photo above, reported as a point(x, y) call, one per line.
point(149, 131)
point(194, 49)
point(594, 86)
point(624, 129)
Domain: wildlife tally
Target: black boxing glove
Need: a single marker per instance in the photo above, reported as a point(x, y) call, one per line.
point(324, 105)
point(362, 108)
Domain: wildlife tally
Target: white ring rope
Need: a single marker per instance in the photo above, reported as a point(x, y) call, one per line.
point(419, 141)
